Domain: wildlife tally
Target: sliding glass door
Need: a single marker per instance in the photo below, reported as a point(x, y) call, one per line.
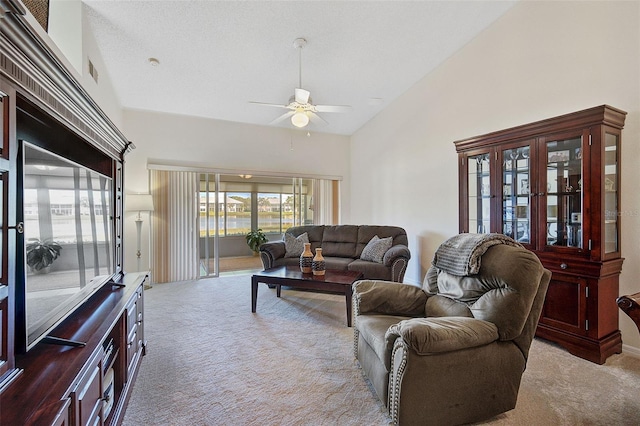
point(208, 224)
point(232, 205)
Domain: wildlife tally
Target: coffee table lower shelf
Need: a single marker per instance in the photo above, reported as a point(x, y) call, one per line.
point(337, 282)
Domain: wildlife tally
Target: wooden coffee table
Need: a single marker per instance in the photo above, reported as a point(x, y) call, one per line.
point(338, 282)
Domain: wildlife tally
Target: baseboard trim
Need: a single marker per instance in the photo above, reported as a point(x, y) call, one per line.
point(631, 350)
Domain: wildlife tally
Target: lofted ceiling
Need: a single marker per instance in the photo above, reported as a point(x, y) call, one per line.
point(217, 56)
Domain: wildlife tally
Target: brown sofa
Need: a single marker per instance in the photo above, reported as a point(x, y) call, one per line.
point(342, 246)
point(453, 351)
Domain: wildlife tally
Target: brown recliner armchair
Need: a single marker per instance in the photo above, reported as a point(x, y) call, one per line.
point(453, 351)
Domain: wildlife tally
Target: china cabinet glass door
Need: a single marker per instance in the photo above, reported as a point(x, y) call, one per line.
point(479, 193)
point(611, 195)
point(563, 196)
point(516, 200)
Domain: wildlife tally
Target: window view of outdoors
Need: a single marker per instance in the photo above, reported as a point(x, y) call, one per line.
point(275, 212)
point(234, 213)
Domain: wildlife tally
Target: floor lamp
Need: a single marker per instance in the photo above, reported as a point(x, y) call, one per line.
point(140, 203)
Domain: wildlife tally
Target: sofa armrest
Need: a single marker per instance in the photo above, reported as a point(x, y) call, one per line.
point(397, 258)
point(443, 334)
point(387, 297)
point(271, 251)
point(399, 250)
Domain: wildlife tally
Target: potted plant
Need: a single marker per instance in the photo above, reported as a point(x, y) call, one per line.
point(255, 238)
point(41, 254)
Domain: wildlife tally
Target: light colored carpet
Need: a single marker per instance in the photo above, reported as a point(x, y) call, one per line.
point(210, 361)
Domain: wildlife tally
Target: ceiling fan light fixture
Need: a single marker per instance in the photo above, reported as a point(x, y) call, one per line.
point(300, 119)
point(301, 108)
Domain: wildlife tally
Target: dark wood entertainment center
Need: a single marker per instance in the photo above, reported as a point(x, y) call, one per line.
point(63, 385)
point(43, 383)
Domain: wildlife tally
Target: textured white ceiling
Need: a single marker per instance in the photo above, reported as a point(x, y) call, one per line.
point(216, 56)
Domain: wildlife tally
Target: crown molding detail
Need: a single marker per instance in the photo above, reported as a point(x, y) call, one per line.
point(27, 61)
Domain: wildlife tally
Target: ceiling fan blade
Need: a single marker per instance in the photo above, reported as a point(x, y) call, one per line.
point(302, 96)
point(316, 119)
point(283, 117)
point(268, 104)
point(333, 108)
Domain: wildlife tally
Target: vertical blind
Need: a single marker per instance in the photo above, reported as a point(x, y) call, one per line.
point(323, 202)
point(174, 237)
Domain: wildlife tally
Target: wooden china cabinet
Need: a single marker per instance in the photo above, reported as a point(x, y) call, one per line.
point(554, 186)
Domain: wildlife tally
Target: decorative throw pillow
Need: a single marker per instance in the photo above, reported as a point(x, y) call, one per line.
point(376, 248)
point(294, 246)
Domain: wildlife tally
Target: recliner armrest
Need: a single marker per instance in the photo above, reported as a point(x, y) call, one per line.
point(271, 251)
point(399, 250)
point(443, 334)
point(388, 297)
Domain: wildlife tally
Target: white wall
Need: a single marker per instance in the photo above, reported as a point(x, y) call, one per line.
point(102, 91)
point(541, 59)
point(215, 144)
point(71, 37)
point(65, 28)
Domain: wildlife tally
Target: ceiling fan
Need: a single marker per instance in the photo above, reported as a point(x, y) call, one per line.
point(300, 106)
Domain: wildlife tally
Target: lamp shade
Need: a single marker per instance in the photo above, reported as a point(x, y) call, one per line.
point(139, 202)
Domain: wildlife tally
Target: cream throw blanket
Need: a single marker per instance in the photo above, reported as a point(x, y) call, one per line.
point(460, 255)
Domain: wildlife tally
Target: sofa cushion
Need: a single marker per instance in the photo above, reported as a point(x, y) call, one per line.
point(286, 261)
point(337, 263)
point(294, 246)
point(376, 248)
point(366, 232)
point(314, 233)
point(340, 241)
point(333, 263)
point(442, 306)
point(371, 270)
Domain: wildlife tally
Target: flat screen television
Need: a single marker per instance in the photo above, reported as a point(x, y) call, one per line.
point(65, 201)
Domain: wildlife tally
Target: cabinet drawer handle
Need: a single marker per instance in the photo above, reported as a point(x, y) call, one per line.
point(563, 266)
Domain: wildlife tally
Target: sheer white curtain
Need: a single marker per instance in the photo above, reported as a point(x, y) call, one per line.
point(174, 228)
point(323, 201)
